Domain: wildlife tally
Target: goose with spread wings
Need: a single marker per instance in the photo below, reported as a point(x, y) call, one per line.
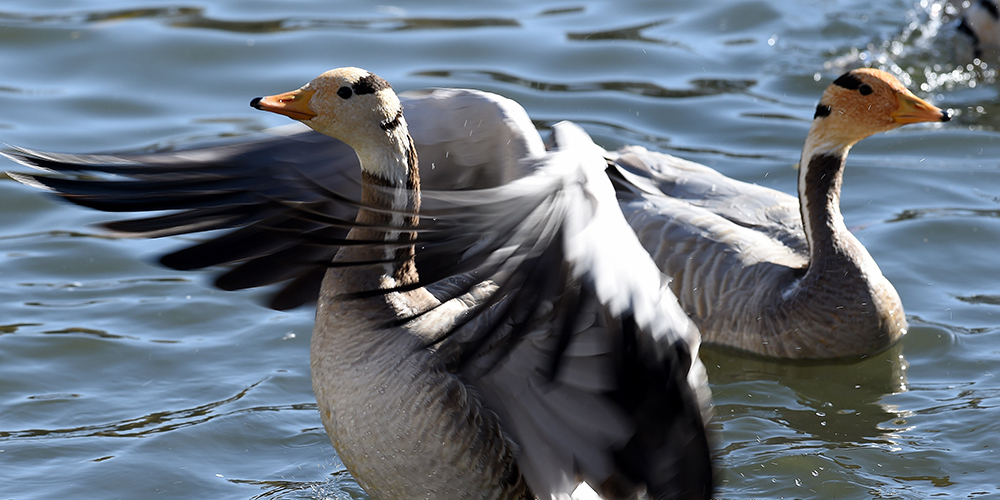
point(487, 325)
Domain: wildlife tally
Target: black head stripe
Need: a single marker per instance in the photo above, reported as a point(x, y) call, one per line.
point(369, 84)
point(822, 110)
point(848, 81)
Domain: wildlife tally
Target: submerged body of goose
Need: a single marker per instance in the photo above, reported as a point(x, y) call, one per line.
point(769, 273)
point(509, 342)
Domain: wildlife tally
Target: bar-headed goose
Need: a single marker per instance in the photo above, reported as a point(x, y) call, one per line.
point(507, 342)
point(760, 270)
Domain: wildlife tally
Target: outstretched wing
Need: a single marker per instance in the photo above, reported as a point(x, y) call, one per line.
point(465, 139)
point(581, 350)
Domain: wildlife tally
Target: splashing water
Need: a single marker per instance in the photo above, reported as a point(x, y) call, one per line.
point(927, 53)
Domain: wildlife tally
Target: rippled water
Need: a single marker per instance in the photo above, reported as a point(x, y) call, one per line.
point(119, 379)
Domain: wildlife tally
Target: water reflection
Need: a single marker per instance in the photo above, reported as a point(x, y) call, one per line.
point(196, 17)
point(632, 33)
point(97, 16)
point(699, 87)
point(993, 300)
point(942, 213)
point(762, 403)
point(339, 486)
point(152, 423)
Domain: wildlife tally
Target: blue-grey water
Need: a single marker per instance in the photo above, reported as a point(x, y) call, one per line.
point(121, 379)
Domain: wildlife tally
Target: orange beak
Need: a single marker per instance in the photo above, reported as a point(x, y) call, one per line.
point(913, 109)
point(294, 104)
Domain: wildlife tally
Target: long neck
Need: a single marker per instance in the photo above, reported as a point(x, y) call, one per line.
point(391, 187)
point(820, 178)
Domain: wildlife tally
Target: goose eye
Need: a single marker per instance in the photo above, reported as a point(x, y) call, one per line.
point(865, 89)
point(344, 92)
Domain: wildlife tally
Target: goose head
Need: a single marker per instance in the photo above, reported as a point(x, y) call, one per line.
point(864, 102)
point(355, 106)
point(859, 103)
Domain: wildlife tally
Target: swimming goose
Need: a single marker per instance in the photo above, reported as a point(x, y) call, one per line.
point(508, 342)
point(760, 270)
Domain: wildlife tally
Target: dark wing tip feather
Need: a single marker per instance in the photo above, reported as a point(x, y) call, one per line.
point(245, 188)
point(671, 451)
